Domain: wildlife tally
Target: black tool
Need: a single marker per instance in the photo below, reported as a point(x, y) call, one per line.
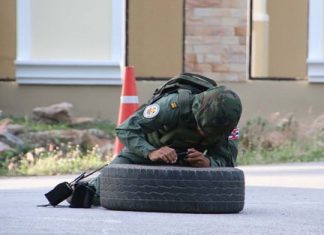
point(182, 155)
point(82, 193)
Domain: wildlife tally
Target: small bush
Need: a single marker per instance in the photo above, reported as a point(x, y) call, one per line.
point(279, 140)
point(51, 155)
point(263, 141)
point(66, 159)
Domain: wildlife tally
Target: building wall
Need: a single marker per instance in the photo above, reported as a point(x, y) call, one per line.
point(88, 101)
point(288, 38)
point(160, 55)
point(155, 37)
point(216, 38)
point(7, 38)
point(259, 98)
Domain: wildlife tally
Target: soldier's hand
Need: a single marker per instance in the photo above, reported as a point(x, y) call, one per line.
point(165, 154)
point(197, 159)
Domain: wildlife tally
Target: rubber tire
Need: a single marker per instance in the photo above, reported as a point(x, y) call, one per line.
point(172, 189)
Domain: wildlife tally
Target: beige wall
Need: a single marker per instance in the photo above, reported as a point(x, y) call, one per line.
point(288, 38)
point(259, 98)
point(90, 101)
point(262, 98)
point(7, 38)
point(155, 37)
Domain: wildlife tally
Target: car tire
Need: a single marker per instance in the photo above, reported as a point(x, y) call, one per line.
point(172, 189)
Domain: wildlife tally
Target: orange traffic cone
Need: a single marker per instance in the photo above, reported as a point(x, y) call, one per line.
point(128, 102)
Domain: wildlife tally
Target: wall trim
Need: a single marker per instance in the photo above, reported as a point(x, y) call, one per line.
point(68, 72)
point(101, 72)
point(315, 60)
point(316, 71)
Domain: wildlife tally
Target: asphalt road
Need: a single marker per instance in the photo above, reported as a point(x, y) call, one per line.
point(281, 199)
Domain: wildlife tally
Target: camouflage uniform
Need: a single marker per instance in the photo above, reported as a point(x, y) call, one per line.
point(216, 112)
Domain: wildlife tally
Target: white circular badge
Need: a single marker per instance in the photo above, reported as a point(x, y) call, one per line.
point(151, 111)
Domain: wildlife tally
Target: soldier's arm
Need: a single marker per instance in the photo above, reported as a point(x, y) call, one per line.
point(133, 131)
point(132, 136)
point(224, 154)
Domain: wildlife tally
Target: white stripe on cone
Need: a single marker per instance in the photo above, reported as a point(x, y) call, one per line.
point(129, 99)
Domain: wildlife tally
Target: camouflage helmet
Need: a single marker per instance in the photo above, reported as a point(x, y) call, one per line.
point(217, 111)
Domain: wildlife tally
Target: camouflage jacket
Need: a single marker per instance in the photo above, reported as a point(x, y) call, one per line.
point(159, 124)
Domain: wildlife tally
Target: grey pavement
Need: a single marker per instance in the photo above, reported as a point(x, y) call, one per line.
point(280, 199)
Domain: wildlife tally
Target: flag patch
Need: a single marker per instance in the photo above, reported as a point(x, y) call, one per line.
point(235, 135)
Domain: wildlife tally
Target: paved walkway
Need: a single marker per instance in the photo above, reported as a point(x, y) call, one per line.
point(281, 199)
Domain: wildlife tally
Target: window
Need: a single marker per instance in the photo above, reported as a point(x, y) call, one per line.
point(70, 42)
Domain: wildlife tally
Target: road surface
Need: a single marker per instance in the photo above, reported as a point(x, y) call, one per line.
point(280, 199)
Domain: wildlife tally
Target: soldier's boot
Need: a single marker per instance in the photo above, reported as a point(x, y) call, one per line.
point(94, 183)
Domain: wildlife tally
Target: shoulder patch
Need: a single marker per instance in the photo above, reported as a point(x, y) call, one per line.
point(151, 111)
point(173, 105)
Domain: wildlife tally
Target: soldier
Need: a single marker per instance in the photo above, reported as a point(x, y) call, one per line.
point(159, 134)
point(162, 133)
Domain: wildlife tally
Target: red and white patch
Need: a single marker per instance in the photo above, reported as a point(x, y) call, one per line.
point(235, 134)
